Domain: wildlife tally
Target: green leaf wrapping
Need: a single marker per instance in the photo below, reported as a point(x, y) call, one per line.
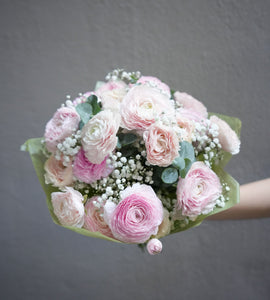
point(36, 151)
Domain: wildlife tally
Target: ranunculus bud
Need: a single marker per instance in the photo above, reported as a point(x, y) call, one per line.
point(154, 246)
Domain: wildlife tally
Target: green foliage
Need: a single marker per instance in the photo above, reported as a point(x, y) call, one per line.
point(88, 109)
point(169, 175)
point(125, 139)
point(85, 111)
point(185, 159)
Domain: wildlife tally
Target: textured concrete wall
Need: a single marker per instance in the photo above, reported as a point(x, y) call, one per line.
point(218, 51)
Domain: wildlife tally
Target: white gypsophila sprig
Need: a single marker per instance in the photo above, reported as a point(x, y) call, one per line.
point(205, 141)
point(167, 200)
point(127, 171)
point(68, 148)
point(121, 74)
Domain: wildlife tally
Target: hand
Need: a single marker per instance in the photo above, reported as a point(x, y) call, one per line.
point(254, 203)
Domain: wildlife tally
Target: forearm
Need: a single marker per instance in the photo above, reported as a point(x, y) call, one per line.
point(254, 202)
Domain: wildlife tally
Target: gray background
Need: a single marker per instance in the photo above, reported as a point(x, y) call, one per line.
point(218, 51)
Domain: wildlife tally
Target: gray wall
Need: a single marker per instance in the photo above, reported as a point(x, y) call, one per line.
point(218, 51)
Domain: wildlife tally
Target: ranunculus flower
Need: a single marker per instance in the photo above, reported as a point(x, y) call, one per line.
point(142, 105)
point(93, 220)
point(198, 191)
point(165, 227)
point(99, 136)
point(190, 115)
point(68, 207)
point(155, 82)
point(191, 103)
point(227, 137)
point(154, 246)
point(162, 145)
point(111, 94)
point(64, 122)
point(137, 216)
point(88, 172)
point(57, 174)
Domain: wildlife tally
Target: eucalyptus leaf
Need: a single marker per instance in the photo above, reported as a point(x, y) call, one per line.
point(179, 163)
point(187, 151)
point(169, 175)
point(36, 151)
point(85, 111)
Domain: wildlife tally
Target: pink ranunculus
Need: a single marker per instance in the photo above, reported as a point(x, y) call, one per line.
point(154, 246)
point(142, 105)
point(57, 174)
point(88, 172)
point(162, 145)
point(137, 216)
point(99, 136)
point(155, 82)
point(111, 94)
point(227, 137)
point(93, 219)
point(110, 86)
point(198, 191)
point(191, 103)
point(65, 121)
point(68, 207)
point(190, 115)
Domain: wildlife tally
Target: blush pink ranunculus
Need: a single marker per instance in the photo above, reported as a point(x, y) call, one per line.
point(64, 122)
point(68, 207)
point(57, 174)
point(190, 103)
point(98, 136)
point(142, 105)
point(162, 145)
point(198, 191)
point(227, 137)
point(88, 172)
point(190, 115)
point(137, 216)
point(154, 246)
point(93, 219)
point(111, 94)
point(155, 82)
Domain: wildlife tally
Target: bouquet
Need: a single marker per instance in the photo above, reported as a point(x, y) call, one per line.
point(134, 161)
